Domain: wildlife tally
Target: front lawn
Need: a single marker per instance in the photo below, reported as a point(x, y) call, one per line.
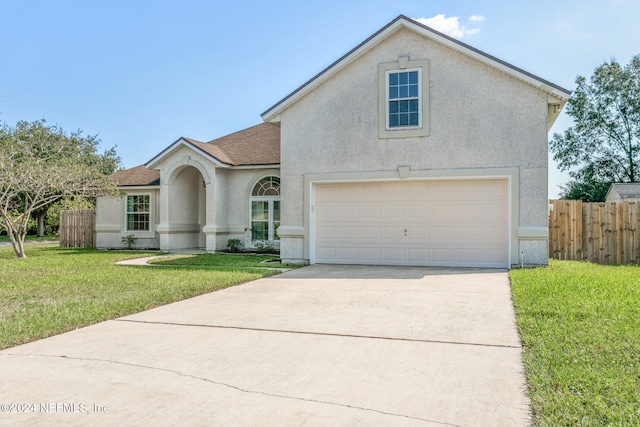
point(31, 238)
point(56, 290)
point(580, 328)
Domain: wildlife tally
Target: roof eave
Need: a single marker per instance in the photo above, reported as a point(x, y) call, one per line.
point(139, 187)
point(153, 163)
point(272, 115)
point(260, 166)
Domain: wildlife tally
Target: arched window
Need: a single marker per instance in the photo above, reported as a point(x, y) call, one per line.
point(265, 209)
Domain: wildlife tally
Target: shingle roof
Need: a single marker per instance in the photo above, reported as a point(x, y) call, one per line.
point(254, 146)
point(625, 190)
point(257, 145)
point(137, 176)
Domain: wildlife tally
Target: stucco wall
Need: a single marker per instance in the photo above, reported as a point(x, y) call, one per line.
point(240, 182)
point(110, 221)
point(479, 118)
point(197, 205)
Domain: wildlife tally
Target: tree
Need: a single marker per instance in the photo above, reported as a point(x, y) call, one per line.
point(41, 164)
point(603, 144)
point(106, 163)
point(586, 190)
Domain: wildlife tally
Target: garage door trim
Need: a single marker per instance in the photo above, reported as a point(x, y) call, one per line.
point(511, 175)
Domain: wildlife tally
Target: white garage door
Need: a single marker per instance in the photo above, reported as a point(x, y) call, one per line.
point(459, 223)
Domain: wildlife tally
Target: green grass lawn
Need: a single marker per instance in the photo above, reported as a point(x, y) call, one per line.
point(55, 290)
point(580, 328)
point(30, 238)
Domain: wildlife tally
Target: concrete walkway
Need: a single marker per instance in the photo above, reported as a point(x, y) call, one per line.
point(322, 345)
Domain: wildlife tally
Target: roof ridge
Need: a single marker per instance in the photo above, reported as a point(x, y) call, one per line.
point(488, 57)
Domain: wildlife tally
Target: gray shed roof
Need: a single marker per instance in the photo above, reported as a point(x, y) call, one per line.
point(626, 190)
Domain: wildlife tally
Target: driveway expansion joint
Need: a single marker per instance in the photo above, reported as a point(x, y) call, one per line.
point(237, 388)
point(328, 334)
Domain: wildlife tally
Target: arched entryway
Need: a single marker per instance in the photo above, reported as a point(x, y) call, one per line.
point(186, 214)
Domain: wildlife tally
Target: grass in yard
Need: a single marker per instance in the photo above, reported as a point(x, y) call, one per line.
point(222, 260)
point(580, 328)
point(30, 238)
point(55, 290)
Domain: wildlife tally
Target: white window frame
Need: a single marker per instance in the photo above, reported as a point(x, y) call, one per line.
point(389, 100)
point(403, 64)
point(127, 213)
point(271, 233)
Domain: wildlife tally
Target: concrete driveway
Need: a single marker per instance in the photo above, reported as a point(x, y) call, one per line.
point(322, 345)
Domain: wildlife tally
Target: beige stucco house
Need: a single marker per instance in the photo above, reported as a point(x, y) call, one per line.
point(412, 149)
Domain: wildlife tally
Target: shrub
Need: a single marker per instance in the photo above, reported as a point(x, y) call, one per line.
point(129, 240)
point(264, 246)
point(233, 245)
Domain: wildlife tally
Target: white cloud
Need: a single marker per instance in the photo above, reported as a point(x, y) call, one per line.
point(450, 26)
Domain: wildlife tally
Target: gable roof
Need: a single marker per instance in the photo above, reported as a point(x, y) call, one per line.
point(271, 115)
point(254, 146)
point(257, 145)
point(626, 190)
point(137, 176)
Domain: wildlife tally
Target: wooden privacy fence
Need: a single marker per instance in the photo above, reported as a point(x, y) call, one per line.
point(604, 233)
point(78, 228)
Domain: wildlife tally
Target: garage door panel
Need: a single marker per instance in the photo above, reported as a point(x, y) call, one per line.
point(417, 233)
point(370, 193)
point(348, 212)
point(327, 212)
point(443, 233)
point(417, 255)
point(324, 253)
point(440, 211)
point(346, 193)
point(325, 233)
point(393, 255)
point(484, 234)
point(443, 256)
point(394, 192)
point(394, 212)
point(348, 233)
point(440, 223)
point(371, 254)
point(370, 211)
point(395, 233)
point(371, 233)
point(348, 254)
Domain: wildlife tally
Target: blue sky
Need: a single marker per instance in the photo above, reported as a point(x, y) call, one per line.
point(140, 74)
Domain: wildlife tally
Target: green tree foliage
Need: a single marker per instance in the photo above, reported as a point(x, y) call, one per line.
point(52, 223)
point(42, 164)
point(587, 190)
point(603, 145)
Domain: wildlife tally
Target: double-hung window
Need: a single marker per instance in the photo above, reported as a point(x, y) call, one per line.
point(138, 212)
point(403, 98)
point(403, 95)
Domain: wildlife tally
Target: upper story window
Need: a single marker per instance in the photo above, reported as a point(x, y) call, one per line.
point(138, 212)
point(403, 98)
